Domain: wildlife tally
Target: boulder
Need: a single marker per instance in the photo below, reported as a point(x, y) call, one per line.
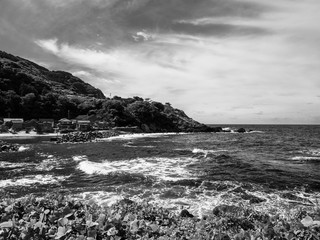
point(216, 129)
point(228, 210)
point(185, 213)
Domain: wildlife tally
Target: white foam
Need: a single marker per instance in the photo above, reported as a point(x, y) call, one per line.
point(168, 169)
point(206, 152)
point(80, 158)
point(314, 152)
point(140, 135)
point(23, 148)
point(305, 158)
point(200, 200)
point(4, 164)
point(134, 146)
point(31, 180)
point(100, 197)
point(48, 164)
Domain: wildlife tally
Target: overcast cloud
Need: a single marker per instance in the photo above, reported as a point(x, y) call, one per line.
point(221, 61)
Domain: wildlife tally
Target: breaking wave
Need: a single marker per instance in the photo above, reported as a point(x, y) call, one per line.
point(167, 169)
point(31, 180)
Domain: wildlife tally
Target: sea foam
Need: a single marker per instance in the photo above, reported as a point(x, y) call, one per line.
point(31, 180)
point(140, 135)
point(168, 169)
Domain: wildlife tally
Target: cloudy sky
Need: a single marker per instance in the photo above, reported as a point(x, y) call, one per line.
point(221, 61)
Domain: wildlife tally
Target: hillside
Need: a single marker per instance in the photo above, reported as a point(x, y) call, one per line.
point(31, 91)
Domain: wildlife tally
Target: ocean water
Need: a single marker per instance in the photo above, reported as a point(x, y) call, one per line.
point(279, 165)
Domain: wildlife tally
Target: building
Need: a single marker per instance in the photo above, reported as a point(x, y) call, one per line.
point(47, 124)
point(17, 123)
point(101, 125)
point(65, 124)
point(83, 125)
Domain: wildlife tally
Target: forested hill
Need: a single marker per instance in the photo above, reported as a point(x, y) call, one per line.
point(30, 91)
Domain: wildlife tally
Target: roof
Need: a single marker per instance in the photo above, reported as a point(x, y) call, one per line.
point(64, 120)
point(14, 120)
point(83, 122)
point(46, 119)
point(82, 117)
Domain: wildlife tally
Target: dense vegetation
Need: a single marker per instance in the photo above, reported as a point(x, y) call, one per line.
point(30, 91)
point(60, 217)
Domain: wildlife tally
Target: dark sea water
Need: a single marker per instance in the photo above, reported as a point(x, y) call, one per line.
point(279, 165)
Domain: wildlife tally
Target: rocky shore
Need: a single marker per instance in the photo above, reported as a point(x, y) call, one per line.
point(61, 217)
point(8, 147)
point(81, 137)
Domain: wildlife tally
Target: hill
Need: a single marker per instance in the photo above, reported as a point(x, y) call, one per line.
point(31, 91)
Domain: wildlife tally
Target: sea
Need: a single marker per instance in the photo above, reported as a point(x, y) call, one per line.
point(272, 168)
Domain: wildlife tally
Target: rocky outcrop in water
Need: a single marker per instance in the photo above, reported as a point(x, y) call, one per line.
point(81, 137)
point(241, 130)
point(8, 147)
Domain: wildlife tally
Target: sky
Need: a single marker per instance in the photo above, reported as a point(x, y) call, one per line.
point(221, 61)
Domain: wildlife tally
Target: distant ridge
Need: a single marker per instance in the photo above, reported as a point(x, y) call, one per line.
point(31, 91)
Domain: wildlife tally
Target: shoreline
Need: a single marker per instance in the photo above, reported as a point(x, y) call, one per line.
point(21, 135)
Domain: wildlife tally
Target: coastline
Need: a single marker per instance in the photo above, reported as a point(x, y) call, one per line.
point(21, 135)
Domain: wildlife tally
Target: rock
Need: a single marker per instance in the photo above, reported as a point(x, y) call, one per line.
point(253, 199)
point(226, 210)
point(185, 213)
point(85, 136)
point(145, 128)
point(241, 130)
point(216, 129)
point(6, 147)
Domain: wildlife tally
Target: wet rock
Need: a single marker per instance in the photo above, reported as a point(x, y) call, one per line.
point(254, 199)
point(216, 129)
point(293, 197)
point(185, 213)
point(226, 210)
point(244, 195)
point(225, 237)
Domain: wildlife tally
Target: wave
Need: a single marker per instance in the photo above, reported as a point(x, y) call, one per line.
point(140, 135)
point(206, 152)
point(167, 169)
point(136, 146)
point(23, 148)
point(31, 180)
point(80, 158)
point(201, 200)
point(6, 165)
point(305, 158)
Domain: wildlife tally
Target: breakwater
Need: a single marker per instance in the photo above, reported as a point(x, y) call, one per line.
point(81, 137)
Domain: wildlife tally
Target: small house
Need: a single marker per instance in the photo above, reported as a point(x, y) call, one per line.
point(17, 123)
point(47, 124)
point(65, 123)
point(83, 125)
point(101, 125)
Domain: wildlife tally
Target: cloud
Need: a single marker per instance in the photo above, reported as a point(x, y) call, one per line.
point(219, 60)
point(142, 36)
